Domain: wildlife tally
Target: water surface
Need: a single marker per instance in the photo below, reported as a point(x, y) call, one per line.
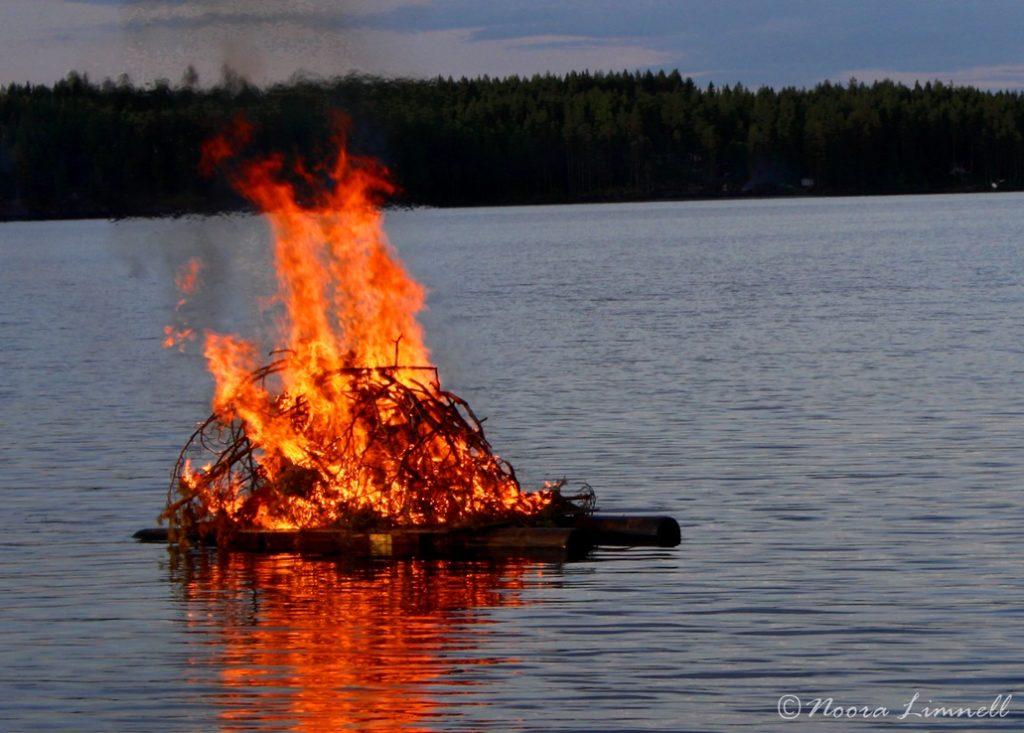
point(828, 393)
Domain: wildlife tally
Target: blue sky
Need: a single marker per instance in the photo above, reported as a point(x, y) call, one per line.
point(774, 42)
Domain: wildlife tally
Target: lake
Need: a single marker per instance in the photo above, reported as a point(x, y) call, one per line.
point(827, 393)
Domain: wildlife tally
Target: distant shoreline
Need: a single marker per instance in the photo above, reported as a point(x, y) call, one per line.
point(188, 213)
point(113, 150)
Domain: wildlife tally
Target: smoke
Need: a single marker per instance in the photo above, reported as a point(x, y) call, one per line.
point(254, 41)
point(242, 60)
point(235, 276)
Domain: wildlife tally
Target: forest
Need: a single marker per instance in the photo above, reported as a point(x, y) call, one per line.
point(78, 148)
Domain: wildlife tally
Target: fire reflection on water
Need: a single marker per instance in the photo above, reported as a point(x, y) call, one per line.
point(314, 645)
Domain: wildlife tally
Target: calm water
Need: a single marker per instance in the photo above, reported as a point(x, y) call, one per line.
point(829, 395)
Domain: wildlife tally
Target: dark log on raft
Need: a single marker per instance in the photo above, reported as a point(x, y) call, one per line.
point(633, 531)
point(574, 542)
point(151, 535)
point(556, 543)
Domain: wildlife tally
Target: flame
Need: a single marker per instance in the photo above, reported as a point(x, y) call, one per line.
point(187, 281)
point(351, 421)
point(177, 336)
point(310, 645)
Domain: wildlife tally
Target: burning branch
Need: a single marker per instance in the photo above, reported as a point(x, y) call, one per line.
point(409, 454)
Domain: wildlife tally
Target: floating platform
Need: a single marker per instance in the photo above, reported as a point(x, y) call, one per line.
point(565, 543)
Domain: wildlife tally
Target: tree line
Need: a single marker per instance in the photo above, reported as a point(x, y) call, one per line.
point(78, 148)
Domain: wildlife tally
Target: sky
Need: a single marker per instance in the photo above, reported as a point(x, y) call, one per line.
point(754, 42)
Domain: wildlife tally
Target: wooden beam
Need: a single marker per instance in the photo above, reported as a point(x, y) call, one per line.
point(554, 542)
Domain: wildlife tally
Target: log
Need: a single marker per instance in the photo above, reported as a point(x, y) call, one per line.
point(555, 543)
point(631, 531)
point(572, 541)
point(151, 535)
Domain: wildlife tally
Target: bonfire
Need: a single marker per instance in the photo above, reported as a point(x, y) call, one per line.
point(347, 425)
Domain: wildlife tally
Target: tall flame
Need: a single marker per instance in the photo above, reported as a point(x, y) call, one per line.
point(347, 297)
point(349, 422)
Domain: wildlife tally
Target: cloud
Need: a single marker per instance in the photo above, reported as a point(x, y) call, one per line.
point(1000, 76)
point(775, 42)
point(317, 14)
point(527, 54)
point(268, 41)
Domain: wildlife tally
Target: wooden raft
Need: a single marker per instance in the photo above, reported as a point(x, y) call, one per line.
point(568, 543)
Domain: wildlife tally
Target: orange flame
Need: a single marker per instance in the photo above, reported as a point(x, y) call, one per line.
point(186, 280)
point(315, 423)
point(177, 336)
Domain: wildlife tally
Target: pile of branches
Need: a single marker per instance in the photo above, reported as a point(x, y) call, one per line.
point(417, 452)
